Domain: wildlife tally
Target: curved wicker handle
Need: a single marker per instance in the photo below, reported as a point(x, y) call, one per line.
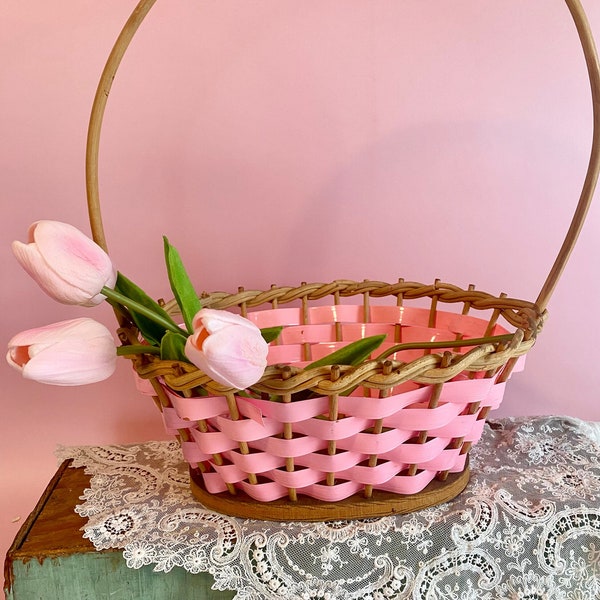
point(144, 6)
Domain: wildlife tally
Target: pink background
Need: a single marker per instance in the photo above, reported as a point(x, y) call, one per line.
point(280, 142)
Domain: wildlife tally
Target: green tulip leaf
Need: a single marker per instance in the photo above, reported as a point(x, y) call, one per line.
point(152, 331)
point(182, 287)
point(352, 354)
point(270, 334)
point(172, 347)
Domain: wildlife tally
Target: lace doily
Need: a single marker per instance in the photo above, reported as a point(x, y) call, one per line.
point(527, 526)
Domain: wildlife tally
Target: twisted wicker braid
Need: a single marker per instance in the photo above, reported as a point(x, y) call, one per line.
point(520, 313)
point(370, 374)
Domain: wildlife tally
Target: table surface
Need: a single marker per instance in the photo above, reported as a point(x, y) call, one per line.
point(528, 523)
point(54, 528)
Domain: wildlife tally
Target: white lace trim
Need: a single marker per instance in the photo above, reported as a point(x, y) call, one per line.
point(527, 526)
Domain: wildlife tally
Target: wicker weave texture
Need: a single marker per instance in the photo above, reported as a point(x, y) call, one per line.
point(449, 427)
point(331, 432)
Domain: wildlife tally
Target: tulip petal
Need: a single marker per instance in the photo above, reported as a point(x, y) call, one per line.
point(64, 245)
point(31, 260)
point(238, 357)
point(214, 320)
point(70, 363)
point(17, 357)
point(195, 355)
point(80, 327)
point(73, 352)
point(65, 263)
point(227, 347)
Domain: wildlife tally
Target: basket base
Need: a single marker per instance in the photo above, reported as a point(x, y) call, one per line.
point(381, 504)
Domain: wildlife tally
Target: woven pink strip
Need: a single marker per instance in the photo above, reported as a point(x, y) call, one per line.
point(291, 353)
point(372, 408)
point(298, 479)
point(276, 317)
point(229, 473)
point(367, 443)
point(417, 453)
point(446, 461)
point(375, 476)
point(463, 426)
point(192, 454)
point(213, 442)
point(338, 463)
point(494, 398)
point(173, 421)
point(418, 334)
point(143, 386)
point(273, 490)
point(348, 313)
point(302, 334)
point(264, 492)
point(409, 485)
point(431, 456)
point(466, 325)
point(404, 414)
point(356, 331)
point(198, 408)
point(246, 430)
point(293, 448)
point(214, 484)
point(422, 419)
point(251, 463)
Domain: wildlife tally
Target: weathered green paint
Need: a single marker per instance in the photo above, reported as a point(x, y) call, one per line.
point(51, 560)
point(105, 576)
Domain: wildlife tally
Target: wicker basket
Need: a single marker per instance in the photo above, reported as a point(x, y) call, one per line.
point(390, 435)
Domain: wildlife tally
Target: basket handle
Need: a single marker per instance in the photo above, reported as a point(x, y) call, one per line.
point(587, 192)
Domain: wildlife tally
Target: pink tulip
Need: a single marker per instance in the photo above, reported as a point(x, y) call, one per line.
point(228, 348)
point(65, 263)
point(73, 352)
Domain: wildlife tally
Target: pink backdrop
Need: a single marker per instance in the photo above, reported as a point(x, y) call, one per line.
point(280, 142)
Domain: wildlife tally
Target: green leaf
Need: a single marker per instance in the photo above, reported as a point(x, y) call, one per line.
point(172, 347)
point(271, 333)
point(152, 331)
point(352, 354)
point(182, 287)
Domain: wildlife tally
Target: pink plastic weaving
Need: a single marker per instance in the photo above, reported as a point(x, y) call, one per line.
point(407, 459)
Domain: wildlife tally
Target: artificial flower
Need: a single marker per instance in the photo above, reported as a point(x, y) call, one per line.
point(73, 352)
point(65, 263)
point(227, 347)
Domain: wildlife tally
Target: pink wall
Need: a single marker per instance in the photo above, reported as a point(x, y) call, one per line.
point(277, 142)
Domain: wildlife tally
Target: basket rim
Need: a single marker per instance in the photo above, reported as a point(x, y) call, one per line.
point(440, 363)
point(523, 314)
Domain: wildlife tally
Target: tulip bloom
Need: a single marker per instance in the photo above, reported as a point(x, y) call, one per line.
point(228, 348)
point(65, 263)
point(73, 352)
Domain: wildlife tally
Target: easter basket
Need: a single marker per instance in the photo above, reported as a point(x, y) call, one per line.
point(313, 441)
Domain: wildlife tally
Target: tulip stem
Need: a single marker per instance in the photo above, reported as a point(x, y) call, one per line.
point(115, 296)
point(445, 344)
point(137, 349)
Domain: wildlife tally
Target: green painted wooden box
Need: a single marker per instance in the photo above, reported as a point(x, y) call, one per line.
point(50, 560)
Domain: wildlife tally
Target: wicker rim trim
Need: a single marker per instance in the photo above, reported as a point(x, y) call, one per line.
point(371, 374)
point(519, 313)
point(488, 353)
